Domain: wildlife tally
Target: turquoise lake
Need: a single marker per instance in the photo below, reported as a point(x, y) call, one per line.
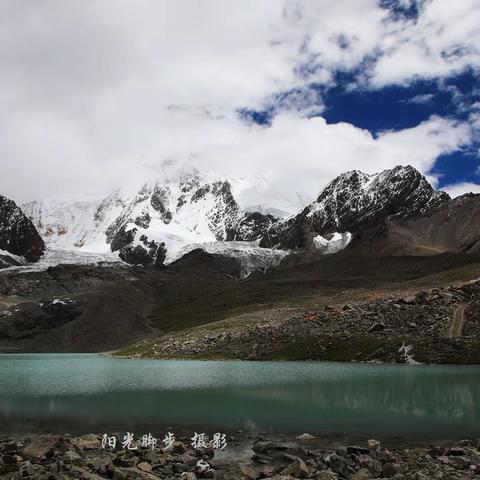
point(87, 392)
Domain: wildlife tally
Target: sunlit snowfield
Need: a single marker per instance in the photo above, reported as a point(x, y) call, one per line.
point(87, 392)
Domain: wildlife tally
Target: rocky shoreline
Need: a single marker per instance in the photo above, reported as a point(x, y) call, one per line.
point(441, 324)
point(48, 457)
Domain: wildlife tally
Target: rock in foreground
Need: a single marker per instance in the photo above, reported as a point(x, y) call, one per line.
point(66, 457)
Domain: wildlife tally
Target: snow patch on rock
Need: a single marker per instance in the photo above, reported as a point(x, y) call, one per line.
point(53, 257)
point(15, 258)
point(332, 243)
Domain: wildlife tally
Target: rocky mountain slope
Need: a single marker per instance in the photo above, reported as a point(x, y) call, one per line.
point(454, 227)
point(202, 299)
point(18, 236)
point(360, 331)
point(354, 201)
point(152, 225)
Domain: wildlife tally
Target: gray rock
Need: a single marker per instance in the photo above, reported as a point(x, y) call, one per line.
point(87, 442)
point(297, 469)
point(340, 465)
point(326, 475)
point(460, 463)
point(188, 476)
point(373, 444)
point(261, 458)
point(11, 459)
point(73, 458)
point(377, 327)
point(305, 437)
point(456, 451)
point(248, 472)
point(124, 462)
point(374, 466)
point(98, 464)
point(145, 467)
point(390, 469)
point(39, 446)
point(353, 449)
point(262, 447)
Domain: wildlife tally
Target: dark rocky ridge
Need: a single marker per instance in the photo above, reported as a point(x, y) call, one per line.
point(71, 308)
point(355, 201)
point(252, 226)
point(75, 308)
point(206, 264)
point(121, 305)
point(17, 233)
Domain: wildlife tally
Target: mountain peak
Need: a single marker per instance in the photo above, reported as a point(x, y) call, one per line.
point(152, 224)
point(356, 200)
point(18, 235)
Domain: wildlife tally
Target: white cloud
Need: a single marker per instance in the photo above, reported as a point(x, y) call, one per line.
point(443, 41)
point(93, 94)
point(297, 155)
point(457, 189)
point(421, 99)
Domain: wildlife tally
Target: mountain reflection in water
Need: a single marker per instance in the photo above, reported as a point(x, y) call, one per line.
point(375, 400)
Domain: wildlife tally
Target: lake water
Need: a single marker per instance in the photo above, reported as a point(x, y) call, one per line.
point(86, 392)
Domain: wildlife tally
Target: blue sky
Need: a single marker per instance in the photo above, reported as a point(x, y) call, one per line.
point(394, 108)
point(280, 95)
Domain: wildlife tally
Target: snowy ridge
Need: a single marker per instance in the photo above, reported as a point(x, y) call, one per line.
point(71, 224)
point(16, 258)
point(151, 224)
point(53, 257)
point(162, 220)
point(8, 259)
point(357, 194)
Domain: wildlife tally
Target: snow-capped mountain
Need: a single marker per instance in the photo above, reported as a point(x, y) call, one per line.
point(150, 225)
point(159, 222)
point(71, 223)
point(356, 200)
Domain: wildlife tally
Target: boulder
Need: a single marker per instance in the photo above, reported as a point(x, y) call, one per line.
point(374, 444)
point(326, 475)
point(145, 467)
point(362, 474)
point(40, 446)
point(390, 469)
point(297, 469)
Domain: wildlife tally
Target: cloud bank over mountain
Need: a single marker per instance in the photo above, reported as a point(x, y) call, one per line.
point(101, 94)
